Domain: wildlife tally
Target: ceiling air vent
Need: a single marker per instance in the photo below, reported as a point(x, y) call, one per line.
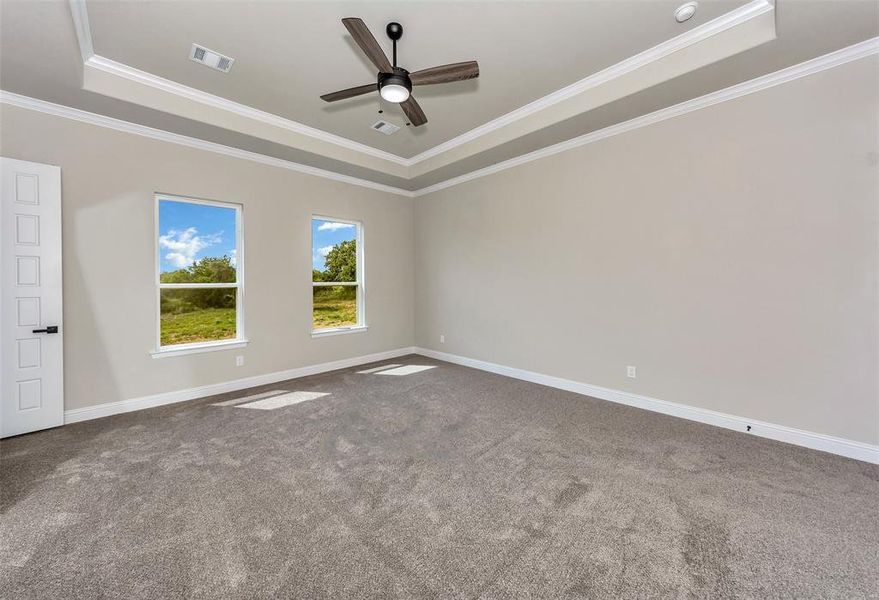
point(385, 127)
point(211, 59)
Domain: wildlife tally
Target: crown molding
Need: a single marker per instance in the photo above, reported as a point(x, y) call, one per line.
point(725, 22)
point(83, 32)
point(822, 63)
point(113, 67)
point(744, 13)
point(79, 14)
point(840, 57)
point(82, 116)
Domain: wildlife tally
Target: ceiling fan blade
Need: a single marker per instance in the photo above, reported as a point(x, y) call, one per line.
point(364, 38)
point(446, 73)
point(413, 111)
point(350, 92)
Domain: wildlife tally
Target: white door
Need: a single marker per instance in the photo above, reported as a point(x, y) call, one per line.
point(31, 332)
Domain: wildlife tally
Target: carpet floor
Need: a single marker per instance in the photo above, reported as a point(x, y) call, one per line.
point(441, 483)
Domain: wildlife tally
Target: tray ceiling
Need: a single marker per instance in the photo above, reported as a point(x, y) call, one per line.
point(526, 51)
point(288, 53)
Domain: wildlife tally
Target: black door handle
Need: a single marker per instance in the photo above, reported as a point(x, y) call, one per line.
point(49, 329)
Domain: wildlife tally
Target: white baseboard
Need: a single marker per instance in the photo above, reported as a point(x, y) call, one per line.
point(808, 439)
point(112, 408)
point(816, 441)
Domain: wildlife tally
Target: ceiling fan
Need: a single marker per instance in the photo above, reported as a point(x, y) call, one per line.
point(395, 83)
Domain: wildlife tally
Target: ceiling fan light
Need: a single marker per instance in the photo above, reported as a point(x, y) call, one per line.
point(396, 86)
point(393, 92)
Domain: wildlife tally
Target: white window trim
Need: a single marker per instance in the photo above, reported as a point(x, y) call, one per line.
point(361, 325)
point(330, 331)
point(184, 349)
point(240, 340)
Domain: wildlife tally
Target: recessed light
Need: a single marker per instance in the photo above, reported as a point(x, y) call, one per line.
point(686, 11)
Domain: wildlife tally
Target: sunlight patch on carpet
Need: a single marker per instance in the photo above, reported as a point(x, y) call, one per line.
point(381, 368)
point(274, 402)
point(406, 370)
point(251, 397)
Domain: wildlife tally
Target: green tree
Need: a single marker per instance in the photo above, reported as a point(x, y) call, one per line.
point(206, 270)
point(341, 262)
point(211, 269)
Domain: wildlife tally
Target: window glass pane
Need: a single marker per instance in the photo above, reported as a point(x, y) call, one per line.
point(333, 251)
point(334, 306)
point(197, 315)
point(197, 243)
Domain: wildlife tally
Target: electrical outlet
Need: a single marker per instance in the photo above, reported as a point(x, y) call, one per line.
point(631, 372)
point(442, 339)
point(239, 361)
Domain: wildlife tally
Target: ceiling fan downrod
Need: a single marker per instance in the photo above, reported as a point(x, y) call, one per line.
point(395, 32)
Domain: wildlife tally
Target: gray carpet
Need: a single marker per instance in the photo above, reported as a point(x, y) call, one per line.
point(449, 483)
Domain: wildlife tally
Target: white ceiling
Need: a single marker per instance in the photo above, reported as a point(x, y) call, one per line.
point(288, 53)
point(40, 59)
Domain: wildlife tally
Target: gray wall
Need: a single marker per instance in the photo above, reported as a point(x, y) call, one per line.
point(108, 180)
point(730, 254)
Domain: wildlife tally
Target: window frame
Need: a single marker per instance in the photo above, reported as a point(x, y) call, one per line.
point(240, 340)
point(361, 325)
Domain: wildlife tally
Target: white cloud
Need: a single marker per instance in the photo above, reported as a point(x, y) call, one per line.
point(233, 255)
point(320, 255)
point(333, 226)
point(184, 245)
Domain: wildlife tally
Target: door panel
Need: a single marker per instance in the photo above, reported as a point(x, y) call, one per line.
point(32, 374)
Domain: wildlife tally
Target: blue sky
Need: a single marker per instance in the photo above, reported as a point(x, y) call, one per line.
point(325, 235)
point(188, 232)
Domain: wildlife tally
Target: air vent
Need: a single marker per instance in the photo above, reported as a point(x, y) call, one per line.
point(385, 127)
point(211, 59)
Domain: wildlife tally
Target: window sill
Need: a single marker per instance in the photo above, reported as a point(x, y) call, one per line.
point(317, 333)
point(184, 349)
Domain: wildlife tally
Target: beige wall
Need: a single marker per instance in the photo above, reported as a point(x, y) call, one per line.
point(730, 254)
point(108, 181)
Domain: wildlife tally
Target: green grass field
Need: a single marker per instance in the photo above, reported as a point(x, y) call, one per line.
point(333, 307)
point(208, 324)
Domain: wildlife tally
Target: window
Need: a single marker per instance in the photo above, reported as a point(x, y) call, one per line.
point(198, 274)
point(337, 276)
